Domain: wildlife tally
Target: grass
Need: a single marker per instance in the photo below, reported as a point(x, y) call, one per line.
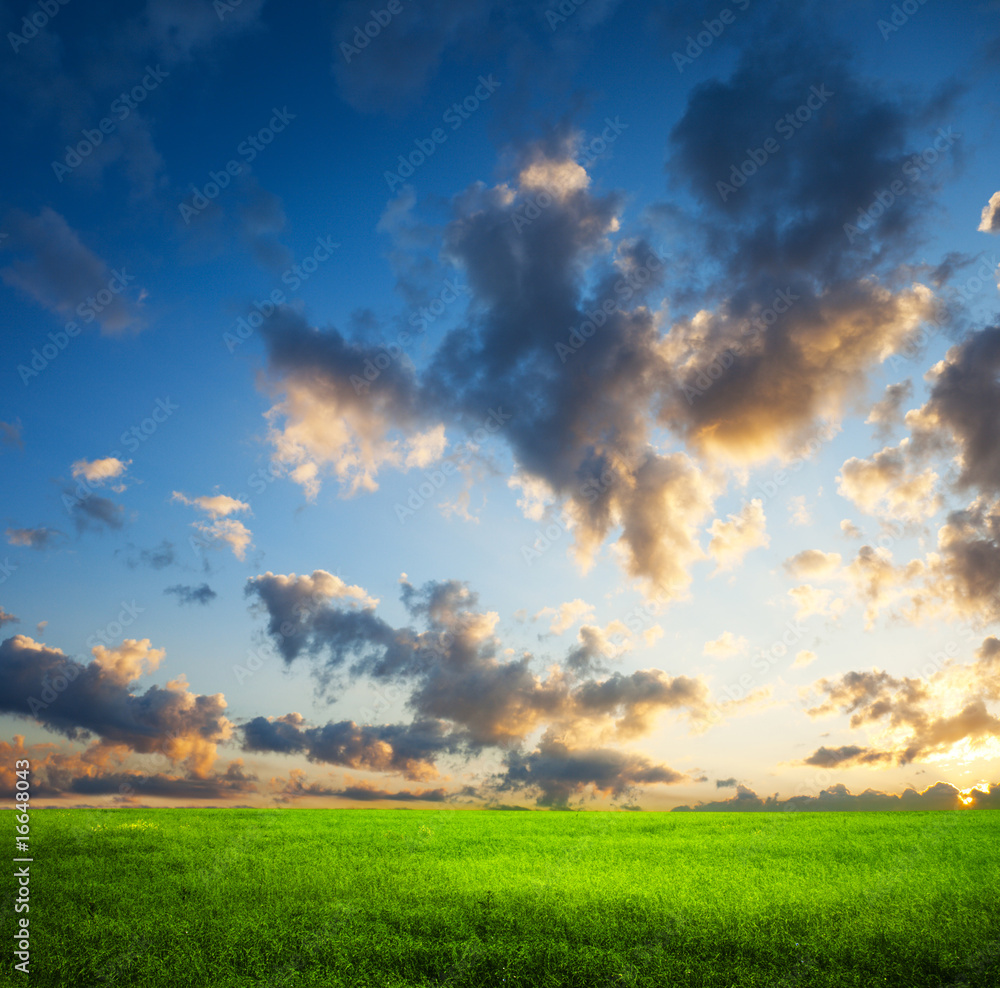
point(386, 898)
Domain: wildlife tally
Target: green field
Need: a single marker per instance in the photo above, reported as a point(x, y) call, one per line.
point(408, 897)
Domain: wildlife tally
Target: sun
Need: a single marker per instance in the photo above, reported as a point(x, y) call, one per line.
point(965, 795)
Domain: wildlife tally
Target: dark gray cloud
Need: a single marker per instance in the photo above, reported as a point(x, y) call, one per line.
point(964, 405)
point(408, 749)
point(62, 274)
point(464, 696)
point(158, 557)
point(940, 796)
point(34, 538)
point(130, 785)
point(725, 783)
point(910, 705)
point(79, 700)
point(203, 594)
point(453, 667)
point(94, 511)
point(10, 434)
point(556, 773)
point(848, 754)
point(886, 413)
point(588, 406)
point(390, 71)
point(296, 787)
point(797, 322)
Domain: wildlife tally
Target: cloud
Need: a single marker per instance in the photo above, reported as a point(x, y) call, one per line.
point(63, 275)
point(570, 315)
point(159, 557)
point(10, 434)
point(725, 783)
point(33, 538)
point(592, 454)
point(203, 594)
point(804, 658)
point(293, 603)
point(814, 564)
point(800, 317)
point(733, 539)
point(837, 798)
point(100, 770)
point(879, 582)
point(850, 529)
point(566, 615)
point(726, 646)
point(964, 409)
point(407, 749)
point(890, 485)
point(958, 581)
point(846, 756)
point(799, 511)
point(811, 601)
point(7, 618)
point(990, 222)
point(885, 414)
point(129, 661)
point(556, 773)
point(391, 71)
point(916, 718)
point(97, 699)
point(330, 416)
point(296, 787)
point(182, 29)
point(93, 511)
point(215, 506)
point(230, 532)
point(454, 676)
point(96, 472)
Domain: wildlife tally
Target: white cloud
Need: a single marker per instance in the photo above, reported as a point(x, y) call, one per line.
point(725, 646)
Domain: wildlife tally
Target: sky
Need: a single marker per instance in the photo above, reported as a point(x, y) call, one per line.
point(456, 403)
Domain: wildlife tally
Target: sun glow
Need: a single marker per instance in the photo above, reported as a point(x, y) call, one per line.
point(965, 795)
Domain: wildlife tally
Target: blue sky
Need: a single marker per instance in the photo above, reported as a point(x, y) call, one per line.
point(298, 367)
